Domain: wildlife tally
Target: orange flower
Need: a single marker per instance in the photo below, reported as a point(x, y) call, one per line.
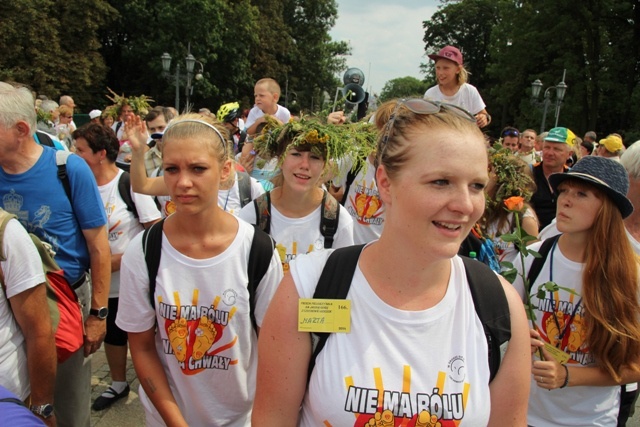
point(514, 203)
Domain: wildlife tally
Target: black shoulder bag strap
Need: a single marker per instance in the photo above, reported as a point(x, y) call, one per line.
point(538, 263)
point(152, 248)
point(124, 188)
point(334, 283)
point(351, 176)
point(260, 256)
point(491, 307)
point(244, 187)
point(329, 218)
point(262, 205)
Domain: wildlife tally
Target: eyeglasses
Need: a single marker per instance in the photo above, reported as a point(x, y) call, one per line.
point(422, 106)
point(510, 132)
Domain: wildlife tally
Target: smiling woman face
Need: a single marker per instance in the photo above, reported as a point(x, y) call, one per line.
point(438, 193)
point(301, 170)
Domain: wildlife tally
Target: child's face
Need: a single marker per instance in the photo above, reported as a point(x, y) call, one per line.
point(265, 99)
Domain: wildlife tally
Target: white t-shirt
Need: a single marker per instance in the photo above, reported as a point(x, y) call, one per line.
point(229, 200)
point(363, 203)
point(281, 114)
point(405, 362)
point(571, 406)
point(123, 225)
point(506, 251)
point(22, 271)
point(467, 97)
point(295, 236)
point(205, 339)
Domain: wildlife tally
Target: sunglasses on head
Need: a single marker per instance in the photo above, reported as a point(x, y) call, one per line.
point(510, 133)
point(422, 106)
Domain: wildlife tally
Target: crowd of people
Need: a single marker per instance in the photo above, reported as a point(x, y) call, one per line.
point(264, 269)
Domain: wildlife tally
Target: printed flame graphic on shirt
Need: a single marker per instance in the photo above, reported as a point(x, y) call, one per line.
point(195, 334)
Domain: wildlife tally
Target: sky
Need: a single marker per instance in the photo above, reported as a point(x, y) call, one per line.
point(385, 37)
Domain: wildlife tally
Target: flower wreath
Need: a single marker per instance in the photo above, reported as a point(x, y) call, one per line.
point(139, 104)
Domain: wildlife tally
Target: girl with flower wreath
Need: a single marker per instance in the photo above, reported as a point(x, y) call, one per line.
point(508, 177)
point(584, 301)
point(292, 213)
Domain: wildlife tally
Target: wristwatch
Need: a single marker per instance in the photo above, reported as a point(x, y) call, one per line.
point(45, 411)
point(101, 313)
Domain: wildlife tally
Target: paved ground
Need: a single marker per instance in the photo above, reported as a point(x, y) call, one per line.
point(125, 412)
point(129, 413)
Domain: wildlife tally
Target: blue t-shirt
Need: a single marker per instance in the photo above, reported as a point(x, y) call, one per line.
point(38, 199)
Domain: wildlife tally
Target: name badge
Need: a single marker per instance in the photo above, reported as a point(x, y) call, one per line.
point(324, 315)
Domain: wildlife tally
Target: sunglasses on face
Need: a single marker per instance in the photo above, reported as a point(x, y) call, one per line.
point(423, 106)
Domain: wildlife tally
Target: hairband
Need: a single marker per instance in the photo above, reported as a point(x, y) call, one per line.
point(224, 144)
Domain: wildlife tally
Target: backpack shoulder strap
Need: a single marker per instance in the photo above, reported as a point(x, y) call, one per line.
point(45, 139)
point(124, 188)
point(152, 248)
point(334, 283)
point(263, 211)
point(329, 218)
point(538, 263)
point(260, 254)
point(351, 176)
point(5, 217)
point(244, 187)
point(61, 162)
point(491, 307)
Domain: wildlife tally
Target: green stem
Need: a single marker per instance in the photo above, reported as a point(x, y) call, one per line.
point(525, 279)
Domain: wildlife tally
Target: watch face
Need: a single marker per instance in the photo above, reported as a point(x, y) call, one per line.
point(103, 313)
point(47, 410)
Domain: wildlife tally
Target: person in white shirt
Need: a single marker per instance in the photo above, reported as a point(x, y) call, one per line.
point(409, 294)
point(452, 86)
point(195, 348)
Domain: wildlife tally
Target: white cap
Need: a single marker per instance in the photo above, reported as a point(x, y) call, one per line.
point(94, 114)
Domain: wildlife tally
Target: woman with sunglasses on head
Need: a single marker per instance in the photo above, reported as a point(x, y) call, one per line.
point(295, 212)
point(195, 347)
point(452, 87)
point(416, 353)
point(588, 329)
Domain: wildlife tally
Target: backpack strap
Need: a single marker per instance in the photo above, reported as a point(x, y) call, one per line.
point(351, 176)
point(334, 283)
point(329, 218)
point(61, 163)
point(45, 139)
point(262, 204)
point(491, 307)
point(538, 263)
point(260, 255)
point(5, 217)
point(152, 248)
point(244, 187)
point(124, 188)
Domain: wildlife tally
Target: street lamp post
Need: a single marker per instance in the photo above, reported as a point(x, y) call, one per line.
point(178, 78)
point(560, 90)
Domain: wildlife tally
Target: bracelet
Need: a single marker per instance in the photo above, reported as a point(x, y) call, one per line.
point(566, 379)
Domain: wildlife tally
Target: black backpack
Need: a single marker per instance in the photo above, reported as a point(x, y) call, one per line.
point(329, 216)
point(260, 255)
point(486, 289)
point(351, 176)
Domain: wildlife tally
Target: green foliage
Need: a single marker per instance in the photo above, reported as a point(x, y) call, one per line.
point(403, 87)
